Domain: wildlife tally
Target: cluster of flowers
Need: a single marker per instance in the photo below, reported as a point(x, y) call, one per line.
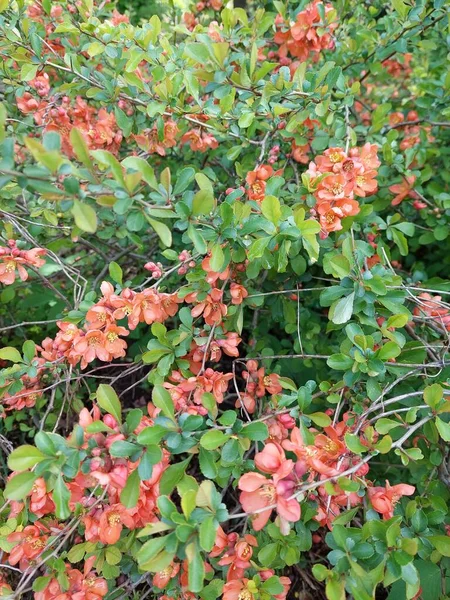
point(190, 19)
point(300, 152)
point(30, 392)
point(155, 141)
point(432, 307)
point(36, 13)
point(326, 457)
point(236, 553)
point(199, 140)
point(308, 35)
point(101, 335)
point(256, 182)
point(102, 521)
point(13, 262)
point(99, 128)
point(188, 393)
point(405, 189)
point(398, 69)
point(337, 177)
point(102, 338)
point(411, 128)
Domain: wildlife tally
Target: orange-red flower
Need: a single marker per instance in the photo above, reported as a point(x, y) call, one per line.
point(384, 499)
point(112, 521)
point(404, 190)
point(259, 493)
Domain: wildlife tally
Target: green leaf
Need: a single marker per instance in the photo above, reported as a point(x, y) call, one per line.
point(212, 439)
point(320, 419)
point(130, 493)
point(85, 216)
point(388, 350)
point(443, 428)
point(106, 158)
point(335, 590)
point(207, 463)
point(151, 435)
point(61, 497)
point(113, 555)
point(258, 247)
point(115, 272)
point(95, 49)
point(207, 533)
point(204, 182)
point(196, 572)
point(336, 265)
point(109, 401)
point(256, 432)
point(141, 166)
point(160, 562)
point(161, 229)
point(384, 425)
point(203, 203)
point(396, 321)
point(25, 457)
point(76, 553)
point(29, 350)
point(341, 311)
point(433, 394)
point(271, 209)
point(151, 548)
point(172, 476)
point(197, 239)
point(19, 486)
point(353, 443)
point(184, 178)
point(163, 400)
point(11, 354)
point(80, 148)
point(340, 362)
point(217, 258)
point(28, 71)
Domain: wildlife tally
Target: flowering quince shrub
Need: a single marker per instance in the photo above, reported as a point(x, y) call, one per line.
point(224, 301)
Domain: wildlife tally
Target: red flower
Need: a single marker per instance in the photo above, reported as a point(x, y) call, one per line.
point(111, 523)
point(162, 578)
point(404, 190)
point(259, 493)
point(212, 308)
point(238, 293)
point(384, 499)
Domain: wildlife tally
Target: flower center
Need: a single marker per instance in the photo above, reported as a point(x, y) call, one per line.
point(360, 180)
point(348, 166)
point(245, 595)
point(93, 341)
point(114, 519)
point(337, 189)
point(167, 572)
point(111, 336)
point(10, 266)
point(331, 446)
point(335, 157)
point(268, 491)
